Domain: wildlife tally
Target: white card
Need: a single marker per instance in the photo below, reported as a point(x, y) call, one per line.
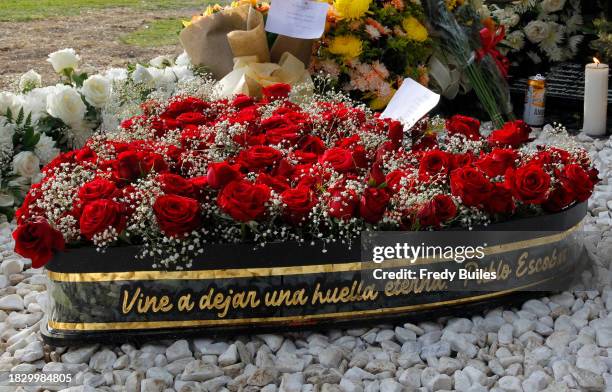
point(410, 103)
point(303, 19)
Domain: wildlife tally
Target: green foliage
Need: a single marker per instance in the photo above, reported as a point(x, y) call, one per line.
point(155, 33)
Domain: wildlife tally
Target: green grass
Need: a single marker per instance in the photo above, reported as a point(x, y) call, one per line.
point(25, 10)
point(155, 33)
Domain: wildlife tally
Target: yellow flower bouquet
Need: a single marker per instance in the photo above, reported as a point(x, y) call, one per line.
point(370, 46)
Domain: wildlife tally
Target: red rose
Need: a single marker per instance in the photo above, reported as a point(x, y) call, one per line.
point(259, 157)
point(438, 210)
point(193, 118)
point(175, 184)
point(460, 160)
point(177, 215)
point(162, 125)
point(199, 185)
point(99, 215)
point(100, 188)
point(434, 163)
point(463, 125)
point(426, 142)
point(244, 201)
point(576, 178)
point(298, 202)
point(127, 166)
point(278, 129)
point(497, 161)
point(152, 161)
point(342, 202)
point(276, 91)
point(500, 200)
point(470, 185)
point(529, 183)
point(312, 144)
point(242, 101)
point(399, 179)
point(221, 173)
point(277, 183)
point(396, 133)
point(340, 159)
point(37, 241)
point(373, 204)
point(512, 134)
point(559, 198)
point(184, 105)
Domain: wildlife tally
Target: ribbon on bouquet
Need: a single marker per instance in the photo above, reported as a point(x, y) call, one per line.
point(250, 76)
point(489, 41)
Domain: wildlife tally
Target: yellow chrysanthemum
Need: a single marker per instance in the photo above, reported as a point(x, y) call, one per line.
point(347, 46)
point(351, 9)
point(414, 29)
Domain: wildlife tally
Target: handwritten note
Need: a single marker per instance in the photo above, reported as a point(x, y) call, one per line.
point(303, 19)
point(410, 103)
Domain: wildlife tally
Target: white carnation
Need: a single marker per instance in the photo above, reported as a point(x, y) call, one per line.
point(10, 101)
point(96, 90)
point(183, 59)
point(516, 40)
point(29, 80)
point(26, 164)
point(64, 59)
point(537, 30)
point(67, 105)
point(549, 6)
point(116, 74)
point(45, 149)
point(35, 101)
point(161, 62)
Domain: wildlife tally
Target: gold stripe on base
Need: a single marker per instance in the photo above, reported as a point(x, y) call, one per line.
point(276, 320)
point(283, 271)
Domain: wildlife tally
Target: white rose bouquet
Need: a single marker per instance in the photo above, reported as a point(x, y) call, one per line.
point(539, 32)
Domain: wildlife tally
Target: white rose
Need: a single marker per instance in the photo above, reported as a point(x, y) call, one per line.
point(7, 130)
point(45, 149)
point(142, 75)
point(12, 102)
point(64, 59)
point(35, 101)
point(161, 62)
point(183, 59)
point(67, 105)
point(96, 90)
point(537, 30)
point(549, 6)
point(26, 164)
point(116, 74)
point(182, 72)
point(30, 80)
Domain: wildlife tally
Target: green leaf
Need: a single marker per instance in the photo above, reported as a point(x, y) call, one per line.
point(79, 78)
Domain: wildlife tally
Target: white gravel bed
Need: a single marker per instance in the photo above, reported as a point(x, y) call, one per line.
point(557, 343)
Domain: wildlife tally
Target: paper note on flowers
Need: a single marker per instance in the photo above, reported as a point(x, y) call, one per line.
point(303, 19)
point(410, 103)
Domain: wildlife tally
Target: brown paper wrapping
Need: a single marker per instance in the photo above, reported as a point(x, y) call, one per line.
point(216, 40)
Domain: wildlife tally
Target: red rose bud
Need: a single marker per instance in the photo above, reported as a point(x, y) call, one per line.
point(244, 201)
point(529, 183)
point(512, 134)
point(497, 161)
point(500, 200)
point(259, 157)
point(221, 173)
point(434, 163)
point(373, 204)
point(342, 203)
point(576, 178)
point(440, 209)
point(173, 183)
point(463, 125)
point(470, 185)
point(37, 241)
point(193, 118)
point(298, 202)
point(242, 101)
point(276, 91)
point(100, 215)
point(340, 159)
point(99, 188)
point(184, 105)
point(177, 215)
point(559, 198)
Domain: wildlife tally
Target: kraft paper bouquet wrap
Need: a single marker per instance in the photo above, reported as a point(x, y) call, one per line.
point(232, 44)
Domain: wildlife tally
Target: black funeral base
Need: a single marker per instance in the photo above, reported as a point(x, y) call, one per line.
point(138, 337)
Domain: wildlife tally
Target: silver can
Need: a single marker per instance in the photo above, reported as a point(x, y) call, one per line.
point(535, 101)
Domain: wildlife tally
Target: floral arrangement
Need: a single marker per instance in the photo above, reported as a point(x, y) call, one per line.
point(603, 43)
point(189, 171)
point(540, 32)
point(370, 46)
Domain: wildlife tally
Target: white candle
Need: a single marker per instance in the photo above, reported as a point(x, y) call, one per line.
point(595, 98)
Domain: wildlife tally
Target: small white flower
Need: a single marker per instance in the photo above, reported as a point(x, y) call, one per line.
point(10, 101)
point(537, 30)
point(183, 59)
point(30, 80)
point(161, 62)
point(550, 6)
point(64, 59)
point(45, 149)
point(113, 74)
point(67, 105)
point(142, 75)
point(96, 90)
point(26, 164)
